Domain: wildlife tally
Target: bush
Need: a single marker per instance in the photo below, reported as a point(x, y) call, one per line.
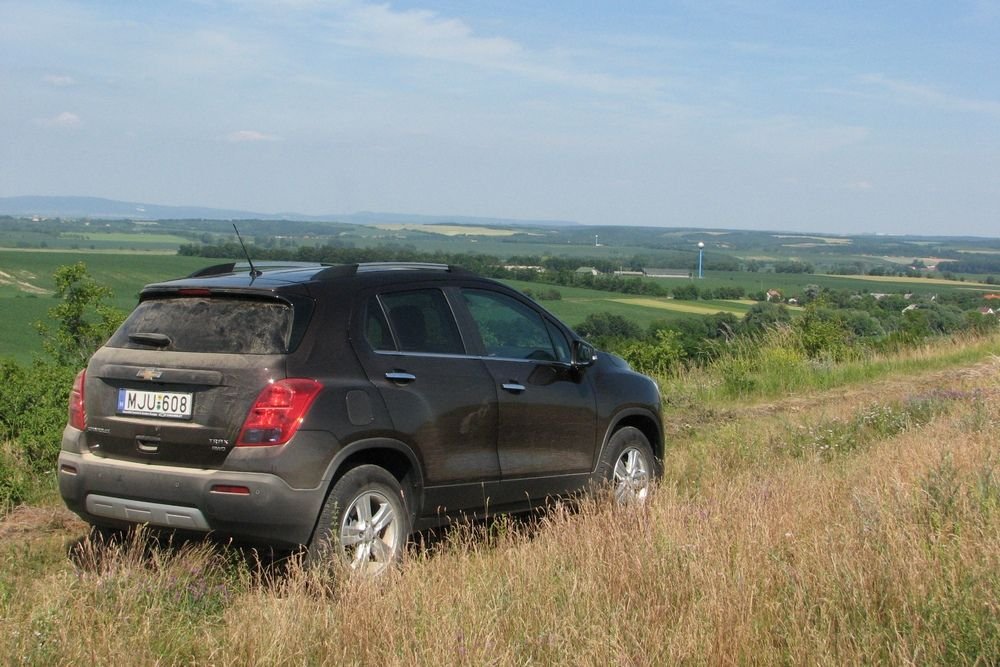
point(654, 358)
point(33, 404)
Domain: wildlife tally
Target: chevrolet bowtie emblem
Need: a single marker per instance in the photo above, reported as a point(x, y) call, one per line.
point(149, 374)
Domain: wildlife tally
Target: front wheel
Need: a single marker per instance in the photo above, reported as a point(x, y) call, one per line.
point(627, 464)
point(364, 521)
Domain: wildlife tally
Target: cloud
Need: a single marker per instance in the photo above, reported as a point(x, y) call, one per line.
point(420, 33)
point(64, 119)
point(915, 93)
point(59, 80)
point(245, 136)
point(860, 186)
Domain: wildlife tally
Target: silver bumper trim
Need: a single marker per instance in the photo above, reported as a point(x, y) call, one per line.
point(138, 511)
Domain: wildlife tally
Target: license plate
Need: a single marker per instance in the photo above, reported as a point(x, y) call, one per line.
point(167, 404)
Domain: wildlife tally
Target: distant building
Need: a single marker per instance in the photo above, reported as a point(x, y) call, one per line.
point(667, 273)
point(773, 295)
point(588, 270)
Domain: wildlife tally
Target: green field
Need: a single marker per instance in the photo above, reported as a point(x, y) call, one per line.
point(577, 303)
point(124, 273)
point(790, 283)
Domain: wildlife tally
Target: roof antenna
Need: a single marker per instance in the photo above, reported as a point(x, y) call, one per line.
point(254, 273)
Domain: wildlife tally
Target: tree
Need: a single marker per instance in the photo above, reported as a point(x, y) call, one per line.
point(82, 320)
point(764, 315)
point(605, 325)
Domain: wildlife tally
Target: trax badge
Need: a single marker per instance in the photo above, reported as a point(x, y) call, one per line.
point(149, 374)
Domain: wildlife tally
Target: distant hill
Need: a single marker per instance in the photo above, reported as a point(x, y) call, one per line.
point(110, 209)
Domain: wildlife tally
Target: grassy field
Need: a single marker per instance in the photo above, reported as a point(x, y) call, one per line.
point(448, 230)
point(921, 281)
point(577, 303)
point(855, 525)
point(790, 283)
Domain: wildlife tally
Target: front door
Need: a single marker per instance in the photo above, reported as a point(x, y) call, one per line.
point(546, 440)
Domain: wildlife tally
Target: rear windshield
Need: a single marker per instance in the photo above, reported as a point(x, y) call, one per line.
point(215, 325)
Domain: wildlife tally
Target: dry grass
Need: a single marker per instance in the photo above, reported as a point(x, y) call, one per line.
point(761, 547)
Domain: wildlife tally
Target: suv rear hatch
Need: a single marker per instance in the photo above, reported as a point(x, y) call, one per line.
point(174, 384)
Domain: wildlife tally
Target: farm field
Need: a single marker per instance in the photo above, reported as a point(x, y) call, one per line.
point(963, 284)
point(29, 302)
point(795, 282)
point(577, 303)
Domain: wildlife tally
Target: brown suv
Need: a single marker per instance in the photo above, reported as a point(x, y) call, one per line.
point(342, 407)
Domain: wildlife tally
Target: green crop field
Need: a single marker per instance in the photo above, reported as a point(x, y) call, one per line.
point(26, 286)
point(577, 303)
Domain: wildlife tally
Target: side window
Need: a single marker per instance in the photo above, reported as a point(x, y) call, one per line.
point(421, 321)
point(509, 329)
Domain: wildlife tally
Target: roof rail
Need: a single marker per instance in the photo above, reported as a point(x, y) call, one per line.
point(269, 265)
point(367, 267)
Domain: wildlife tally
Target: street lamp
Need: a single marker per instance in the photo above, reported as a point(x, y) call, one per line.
point(701, 251)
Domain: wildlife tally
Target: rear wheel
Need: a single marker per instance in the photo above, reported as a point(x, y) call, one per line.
point(364, 521)
point(628, 466)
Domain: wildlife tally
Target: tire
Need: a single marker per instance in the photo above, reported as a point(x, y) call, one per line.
point(627, 466)
point(364, 522)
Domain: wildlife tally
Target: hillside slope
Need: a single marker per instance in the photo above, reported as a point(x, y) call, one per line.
point(857, 525)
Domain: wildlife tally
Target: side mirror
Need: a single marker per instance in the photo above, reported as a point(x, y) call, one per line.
point(584, 354)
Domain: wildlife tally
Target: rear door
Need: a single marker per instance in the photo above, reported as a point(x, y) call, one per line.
point(176, 381)
point(441, 400)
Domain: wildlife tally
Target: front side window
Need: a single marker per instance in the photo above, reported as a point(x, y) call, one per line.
point(510, 329)
point(421, 321)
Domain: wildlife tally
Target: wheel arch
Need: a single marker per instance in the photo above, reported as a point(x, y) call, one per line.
point(392, 455)
point(642, 420)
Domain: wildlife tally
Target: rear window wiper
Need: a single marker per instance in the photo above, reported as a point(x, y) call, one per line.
point(151, 339)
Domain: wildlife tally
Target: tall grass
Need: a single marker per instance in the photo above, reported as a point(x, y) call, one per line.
point(864, 528)
point(775, 364)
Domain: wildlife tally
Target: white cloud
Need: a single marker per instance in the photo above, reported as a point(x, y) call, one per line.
point(244, 136)
point(860, 186)
point(59, 80)
point(64, 119)
point(915, 93)
point(419, 33)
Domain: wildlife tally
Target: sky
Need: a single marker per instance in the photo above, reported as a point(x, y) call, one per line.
point(838, 117)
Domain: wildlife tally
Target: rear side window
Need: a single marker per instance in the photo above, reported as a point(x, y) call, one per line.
point(421, 321)
point(214, 325)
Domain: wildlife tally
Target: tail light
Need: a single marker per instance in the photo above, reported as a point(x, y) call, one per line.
point(77, 413)
point(278, 412)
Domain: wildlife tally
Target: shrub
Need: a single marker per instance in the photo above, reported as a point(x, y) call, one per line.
point(33, 403)
point(655, 358)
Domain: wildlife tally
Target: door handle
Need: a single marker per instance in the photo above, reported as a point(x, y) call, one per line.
point(513, 387)
point(400, 377)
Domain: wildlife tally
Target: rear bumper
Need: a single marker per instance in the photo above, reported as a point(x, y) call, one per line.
point(113, 492)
